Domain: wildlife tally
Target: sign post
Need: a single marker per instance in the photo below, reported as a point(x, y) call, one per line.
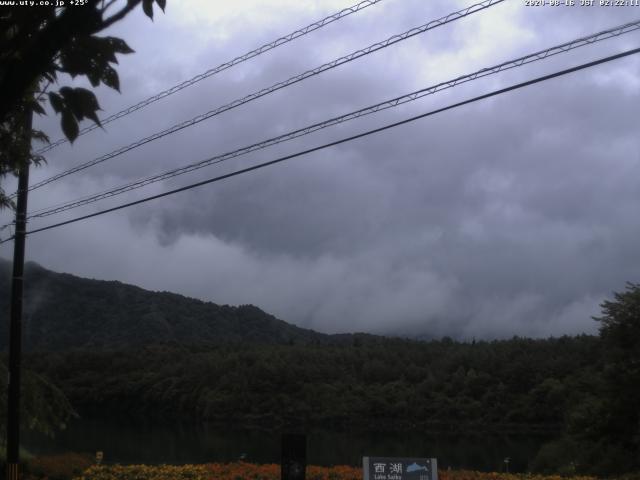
point(294, 457)
point(389, 468)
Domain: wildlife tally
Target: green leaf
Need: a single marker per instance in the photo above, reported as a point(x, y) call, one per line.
point(87, 99)
point(72, 102)
point(162, 4)
point(93, 116)
point(40, 135)
point(94, 78)
point(36, 107)
point(91, 55)
point(110, 78)
point(56, 102)
point(106, 52)
point(69, 125)
point(82, 102)
point(76, 59)
point(147, 7)
point(119, 45)
point(38, 159)
point(88, 103)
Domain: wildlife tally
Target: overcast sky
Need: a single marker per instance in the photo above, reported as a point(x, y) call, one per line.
point(516, 215)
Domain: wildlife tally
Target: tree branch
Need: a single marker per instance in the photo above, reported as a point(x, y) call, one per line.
point(42, 47)
point(43, 91)
point(107, 6)
point(121, 14)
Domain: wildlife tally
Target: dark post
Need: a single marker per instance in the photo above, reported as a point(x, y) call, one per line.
point(15, 328)
point(294, 457)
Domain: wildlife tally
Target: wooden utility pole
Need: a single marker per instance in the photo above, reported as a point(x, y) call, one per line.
point(15, 328)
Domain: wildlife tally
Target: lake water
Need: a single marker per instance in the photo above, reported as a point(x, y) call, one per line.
point(129, 444)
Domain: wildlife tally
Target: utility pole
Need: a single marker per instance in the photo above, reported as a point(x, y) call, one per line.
point(15, 329)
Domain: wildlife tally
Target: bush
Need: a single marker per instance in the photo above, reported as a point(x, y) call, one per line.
point(64, 466)
point(250, 471)
point(560, 456)
point(146, 472)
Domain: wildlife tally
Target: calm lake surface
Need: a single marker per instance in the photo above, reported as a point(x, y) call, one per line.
point(127, 444)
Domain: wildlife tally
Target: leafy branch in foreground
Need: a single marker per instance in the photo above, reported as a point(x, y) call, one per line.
point(39, 44)
point(45, 408)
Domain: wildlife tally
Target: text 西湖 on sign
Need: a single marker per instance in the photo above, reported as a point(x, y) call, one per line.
point(389, 468)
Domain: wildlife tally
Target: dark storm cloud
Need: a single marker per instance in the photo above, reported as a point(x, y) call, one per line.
point(510, 216)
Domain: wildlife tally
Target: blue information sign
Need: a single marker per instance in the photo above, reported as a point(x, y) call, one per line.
point(388, 468)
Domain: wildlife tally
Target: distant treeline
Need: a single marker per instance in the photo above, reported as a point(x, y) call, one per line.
point(518, 384)
point(568, 386)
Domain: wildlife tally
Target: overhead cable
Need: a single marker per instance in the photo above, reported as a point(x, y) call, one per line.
point(533, 57)
point(277, 86)
point(338, 142)
point(224, 66)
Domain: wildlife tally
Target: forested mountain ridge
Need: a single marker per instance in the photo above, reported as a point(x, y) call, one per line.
point(118, 351)
point(124, 350)
point(62, 311)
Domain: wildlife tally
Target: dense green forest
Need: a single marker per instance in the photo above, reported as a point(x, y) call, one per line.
point(117, 351)
point(62, 311)
point(518, 384)
point(558, 386)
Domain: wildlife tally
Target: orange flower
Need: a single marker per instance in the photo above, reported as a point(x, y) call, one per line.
point(252, 471)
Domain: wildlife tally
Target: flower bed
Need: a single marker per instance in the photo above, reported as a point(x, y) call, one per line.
point(251, 471)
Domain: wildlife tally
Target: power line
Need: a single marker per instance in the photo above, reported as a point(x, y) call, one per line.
point(533, 57)
point(277, 86)
point(343, 140)
point(224, 66)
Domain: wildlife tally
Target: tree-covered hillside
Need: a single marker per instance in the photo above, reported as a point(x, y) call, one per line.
point(119, 351)
point(62, 311)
